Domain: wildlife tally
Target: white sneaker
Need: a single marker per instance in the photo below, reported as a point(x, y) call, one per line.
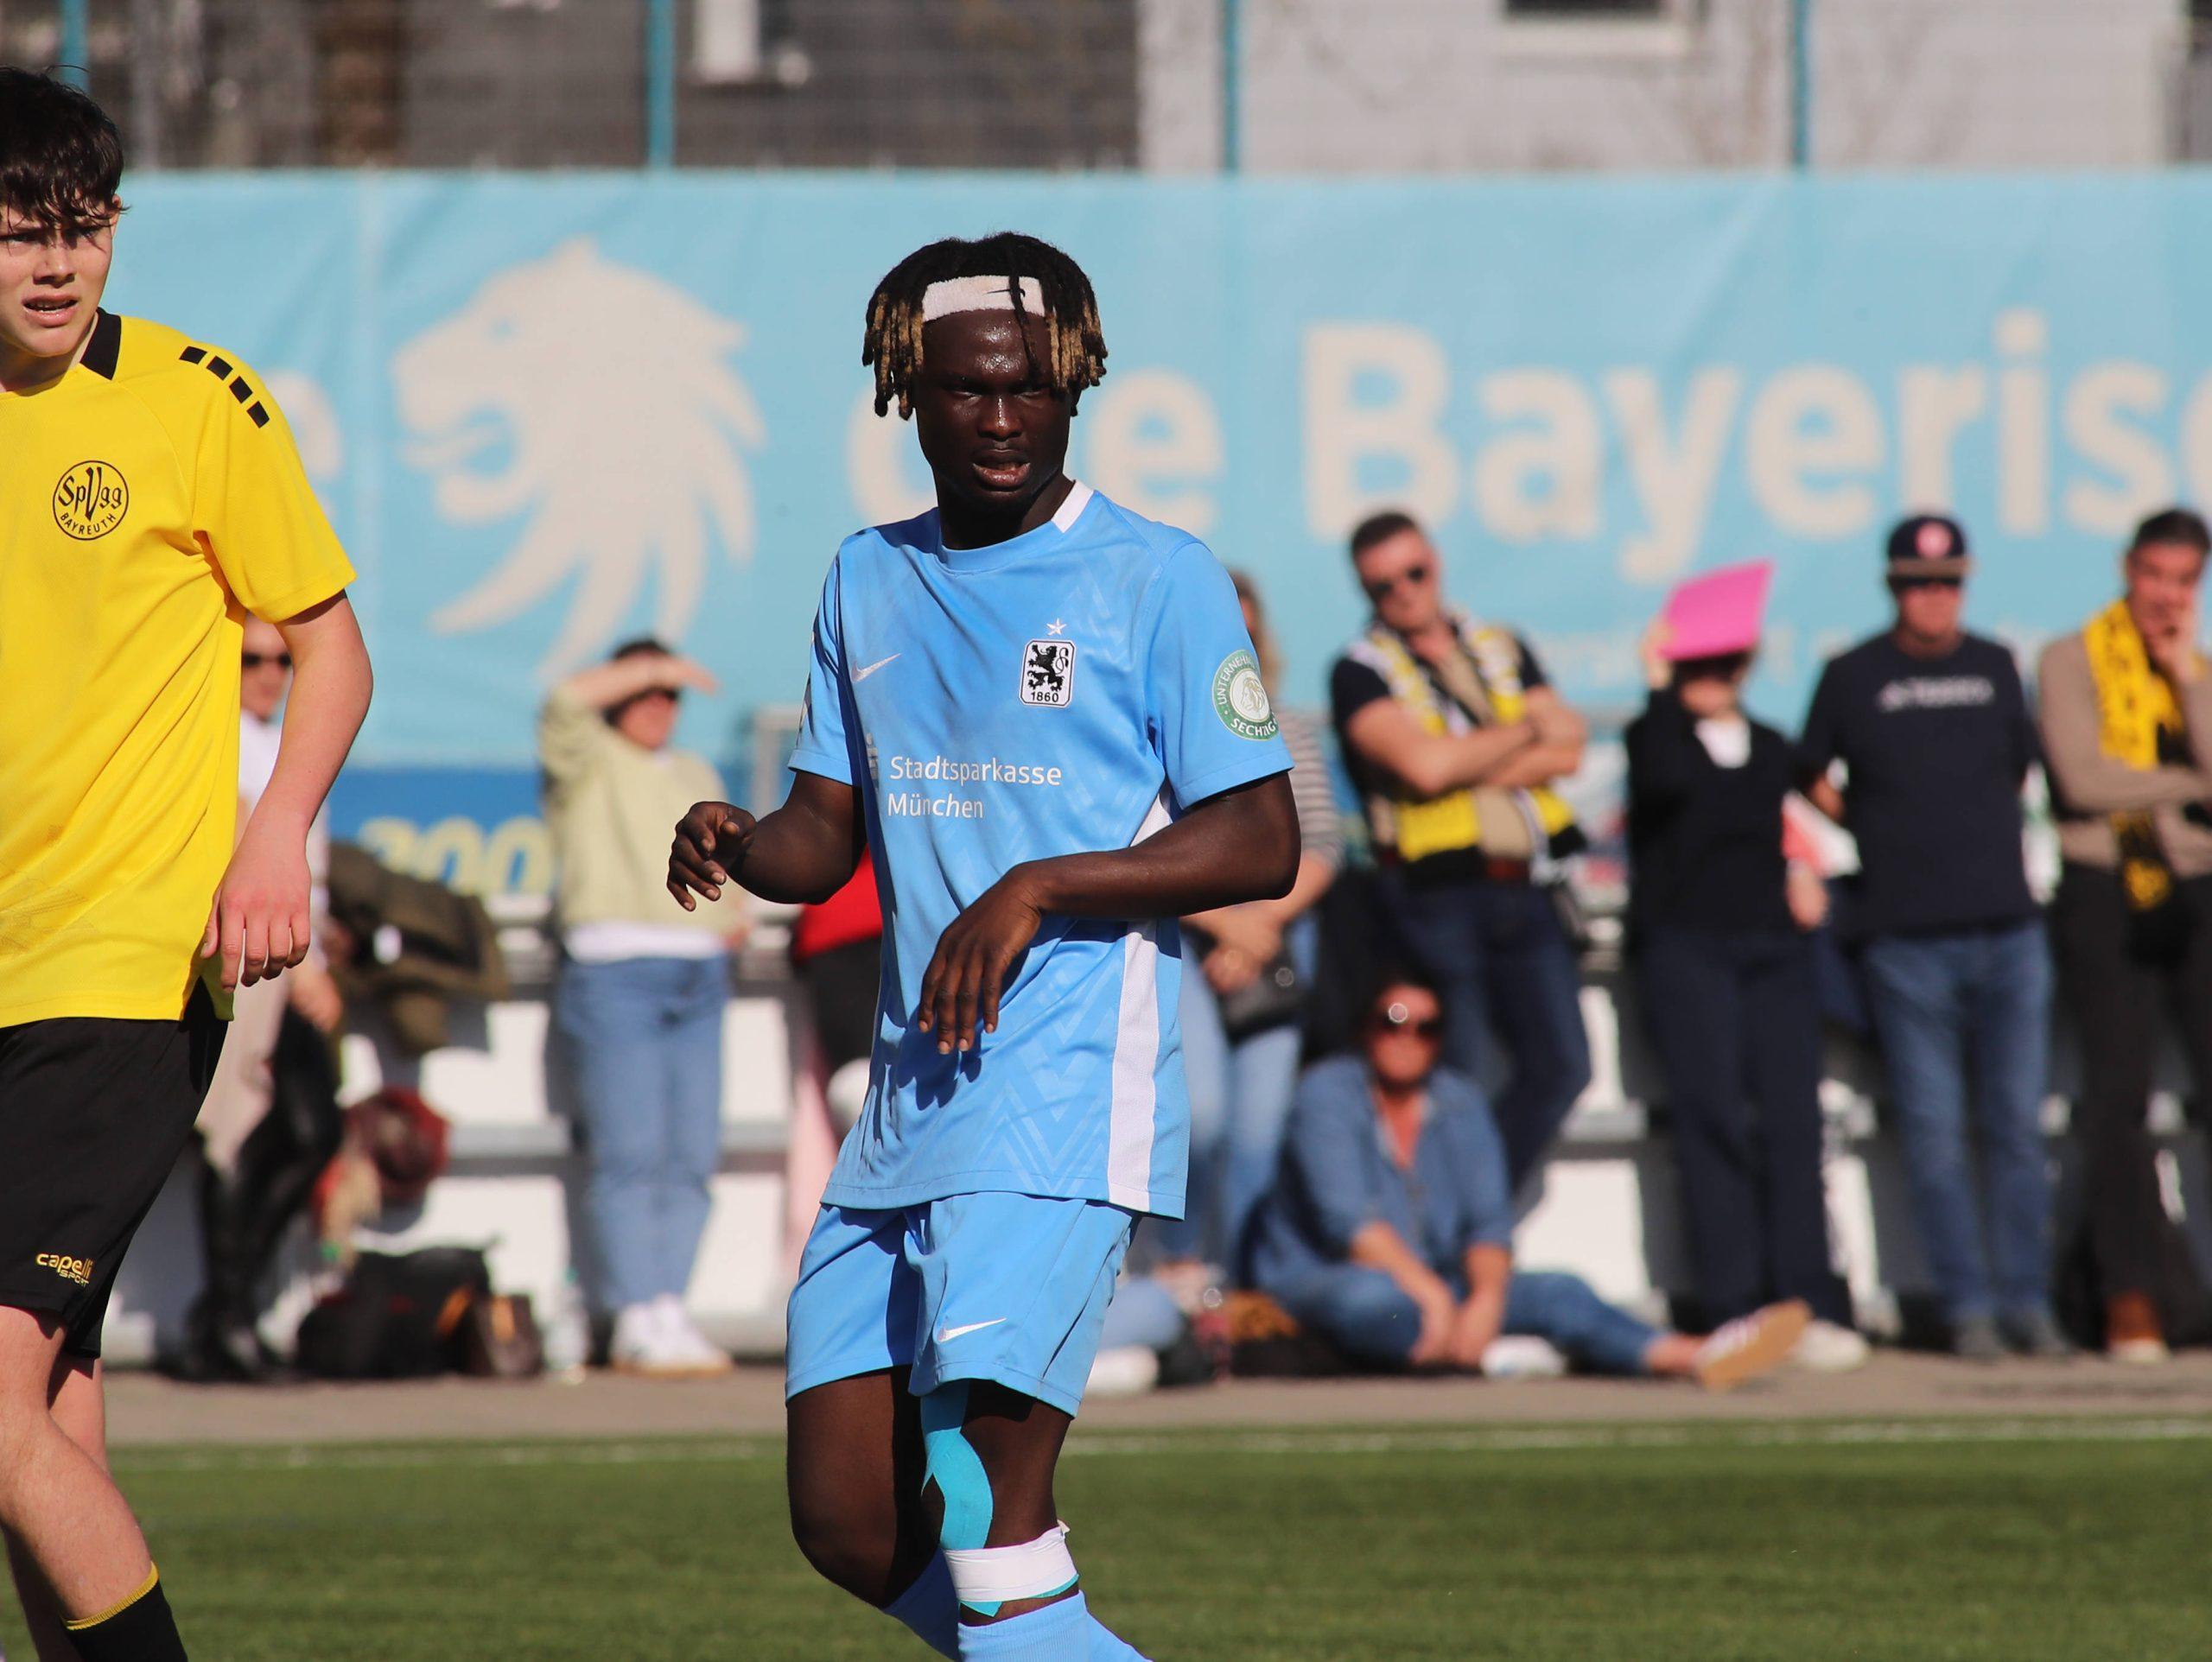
point(658, 1341)
point(1751, 1345)
point(2141, 1353)
point(637, 1335)
point(1830, 1348)
point(1123, 1371)
point(1522, 1356)
point(683, 1350)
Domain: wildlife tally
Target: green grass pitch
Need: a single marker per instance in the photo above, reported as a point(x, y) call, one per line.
point(1764, 1544)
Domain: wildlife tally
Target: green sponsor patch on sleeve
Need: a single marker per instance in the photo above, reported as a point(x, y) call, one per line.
point(1240, 697)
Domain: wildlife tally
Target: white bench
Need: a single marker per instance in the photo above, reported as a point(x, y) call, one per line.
point(1608, 1208)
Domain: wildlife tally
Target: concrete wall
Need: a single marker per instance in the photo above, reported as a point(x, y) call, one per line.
point(1436, 85)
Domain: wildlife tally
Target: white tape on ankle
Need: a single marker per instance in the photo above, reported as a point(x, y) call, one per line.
point(999, 1574)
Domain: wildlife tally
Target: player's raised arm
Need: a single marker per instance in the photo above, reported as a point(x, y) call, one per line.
point(802, 853)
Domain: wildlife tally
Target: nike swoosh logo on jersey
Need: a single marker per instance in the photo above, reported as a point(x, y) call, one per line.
point(946, 1335)
point(860, 675)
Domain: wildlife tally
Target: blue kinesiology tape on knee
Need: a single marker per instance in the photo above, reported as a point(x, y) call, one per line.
point(950, 1462)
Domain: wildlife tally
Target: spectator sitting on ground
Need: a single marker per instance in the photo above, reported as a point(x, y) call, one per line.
point(837, 950)
point(1389, 1233)
point(271, 1121)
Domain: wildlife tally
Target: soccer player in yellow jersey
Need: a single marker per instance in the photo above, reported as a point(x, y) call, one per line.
point(151, 498)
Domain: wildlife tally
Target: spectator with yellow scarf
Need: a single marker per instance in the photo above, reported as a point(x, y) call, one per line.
point(2126, 718)
point(1456, 742)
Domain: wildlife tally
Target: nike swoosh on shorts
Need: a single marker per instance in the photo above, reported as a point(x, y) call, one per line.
point(946, 1335)
point(860, 675)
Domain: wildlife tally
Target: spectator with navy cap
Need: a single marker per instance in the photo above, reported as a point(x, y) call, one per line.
point(1933, 731)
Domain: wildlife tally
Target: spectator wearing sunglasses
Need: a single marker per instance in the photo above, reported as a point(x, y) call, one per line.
point(638, 1003)
point(2126, 719)
point(1390, 1231)
point(271, 1121)
point(1933, 733)
point(1456, 741)
point(1719, 923)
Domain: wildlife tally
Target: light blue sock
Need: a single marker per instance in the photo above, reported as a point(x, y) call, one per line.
point(929, 1608)
point(1066, 1631)
point(1108, 1647)
point(1058, 1632)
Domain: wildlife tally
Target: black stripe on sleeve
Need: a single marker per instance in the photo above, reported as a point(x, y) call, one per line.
point(240, 390)
point(220, 368)
point(192, 354)
point(259, 415)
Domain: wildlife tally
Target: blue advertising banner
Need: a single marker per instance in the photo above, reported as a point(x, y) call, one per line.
point(548, 413)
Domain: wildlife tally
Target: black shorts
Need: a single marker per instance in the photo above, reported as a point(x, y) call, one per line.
point(94, 1114)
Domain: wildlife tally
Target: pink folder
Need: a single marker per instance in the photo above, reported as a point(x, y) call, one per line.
point(1719, 613)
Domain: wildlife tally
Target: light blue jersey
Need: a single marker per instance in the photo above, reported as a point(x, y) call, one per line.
point(1072, 689)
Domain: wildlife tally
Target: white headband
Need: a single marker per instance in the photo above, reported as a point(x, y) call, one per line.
point(980, 295)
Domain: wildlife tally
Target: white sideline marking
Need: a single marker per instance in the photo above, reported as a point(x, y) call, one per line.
point(1412, 1440)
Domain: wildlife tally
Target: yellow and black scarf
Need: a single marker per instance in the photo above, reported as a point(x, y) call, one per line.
point(1508, 823)
point(2140, 725)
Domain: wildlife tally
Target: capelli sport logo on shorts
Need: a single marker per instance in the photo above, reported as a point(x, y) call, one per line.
point(91, 500)
point(78, 1269)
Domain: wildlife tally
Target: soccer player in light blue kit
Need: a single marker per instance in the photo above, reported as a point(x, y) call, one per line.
point(1043, 714)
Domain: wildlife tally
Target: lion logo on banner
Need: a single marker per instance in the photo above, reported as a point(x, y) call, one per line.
point(627, 459)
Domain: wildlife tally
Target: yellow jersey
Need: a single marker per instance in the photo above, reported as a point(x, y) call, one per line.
point(149, 498)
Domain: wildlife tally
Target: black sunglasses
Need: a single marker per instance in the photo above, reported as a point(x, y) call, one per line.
point(1899, 585)
point(255, 660)
point(1396, 1019)
point(1413, 577)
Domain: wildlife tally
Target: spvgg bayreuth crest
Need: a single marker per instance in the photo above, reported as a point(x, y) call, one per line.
point(91, 500)
point(1048, 672)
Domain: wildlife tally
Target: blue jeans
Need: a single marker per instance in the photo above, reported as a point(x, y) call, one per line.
point(1363, 1313)
point(1143, 1313)
point(1973, 1005)
point(1240, 1097)
point(1510, 981)
point(644, 1038)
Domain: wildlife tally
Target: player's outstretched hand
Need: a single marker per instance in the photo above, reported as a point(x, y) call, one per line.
point(710, 840)
point(259, 920)
point(967, 973)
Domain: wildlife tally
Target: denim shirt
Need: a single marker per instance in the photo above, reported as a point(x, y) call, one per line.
point(1339, 1173)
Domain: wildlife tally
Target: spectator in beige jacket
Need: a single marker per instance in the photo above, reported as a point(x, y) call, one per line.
point(643, 983)
point(2126, 718)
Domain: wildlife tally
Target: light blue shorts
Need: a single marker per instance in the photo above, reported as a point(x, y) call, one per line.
point(1008, 1288)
